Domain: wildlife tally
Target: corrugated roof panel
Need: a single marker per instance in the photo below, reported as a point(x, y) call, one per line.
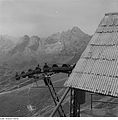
point(115, 87)
point(88, 85)
point(89, 66)
point(103, 83)
point(107, 39)
point(112, 85)
point(117, 90)
point(110, 53)
point(99, 83)
point(115, 37)
point(104, 21)
point(108, 29)
point(75, 78)
point(110, 20)
point(107, 21)
point(87, 80)
point(93, 39)
point(100, 29)
point(107, 81)
point(93, 51)
point(96, 51)
point(108, 86)
point(104, 39)
point(81, 65)
point(116, 20)
point(98, 41)
point(104, 67)
point(108, 90)
point(95, 82)
point(97, 69)
point(84, 78)
point(107, 24)
point(116, 28)
point(86, 53)
point(111, 67)
point(116, 69)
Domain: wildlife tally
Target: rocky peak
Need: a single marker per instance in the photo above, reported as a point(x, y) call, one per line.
point(34, 43)
point(77, 31)
point(25, 38)
point(20, 47)
point(6, 43)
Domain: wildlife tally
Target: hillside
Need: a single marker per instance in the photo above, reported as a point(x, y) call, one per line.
point(17, 103)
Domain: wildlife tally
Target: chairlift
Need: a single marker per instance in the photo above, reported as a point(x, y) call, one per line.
point(55, 68)
point(46, 68)
point(37, 69)
point(17, 76)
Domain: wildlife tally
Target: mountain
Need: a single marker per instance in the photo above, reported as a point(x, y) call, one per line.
point(20, 47)
point(56, 48)
point(6, 44)
point(34, 43)
point(68, 42)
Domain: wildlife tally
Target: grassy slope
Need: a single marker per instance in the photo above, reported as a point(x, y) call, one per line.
point(15, 103)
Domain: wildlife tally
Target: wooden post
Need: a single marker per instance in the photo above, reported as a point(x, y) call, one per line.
point(61, 100)
point(91, 102)
point(71, 104)
point(78, 113)
point(75, 106)
point(79, 98)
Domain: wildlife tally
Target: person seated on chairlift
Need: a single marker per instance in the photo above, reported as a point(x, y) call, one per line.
point(46, 67)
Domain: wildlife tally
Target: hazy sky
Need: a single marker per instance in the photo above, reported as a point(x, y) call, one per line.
point(44, 17)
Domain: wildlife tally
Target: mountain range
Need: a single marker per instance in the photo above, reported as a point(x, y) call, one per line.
point(58, 47)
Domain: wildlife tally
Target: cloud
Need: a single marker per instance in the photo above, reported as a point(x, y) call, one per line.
point(48, 16)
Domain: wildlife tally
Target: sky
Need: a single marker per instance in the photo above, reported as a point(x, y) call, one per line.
point(45, 17)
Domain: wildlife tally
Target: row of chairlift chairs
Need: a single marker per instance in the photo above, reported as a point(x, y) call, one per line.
point(46, 70)
point(65, 68)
